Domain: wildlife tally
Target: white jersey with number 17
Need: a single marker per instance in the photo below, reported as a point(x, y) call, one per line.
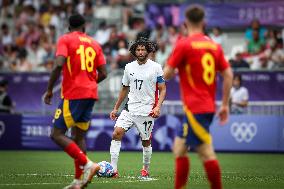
point(142, 80)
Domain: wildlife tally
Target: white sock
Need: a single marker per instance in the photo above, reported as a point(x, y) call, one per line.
point(114, 153)
point(147, 152)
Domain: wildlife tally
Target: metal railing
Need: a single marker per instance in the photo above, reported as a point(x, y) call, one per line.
point(110, 87)
point(254, 107)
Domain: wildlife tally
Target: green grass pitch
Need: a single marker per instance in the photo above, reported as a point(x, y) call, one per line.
point(54, 169)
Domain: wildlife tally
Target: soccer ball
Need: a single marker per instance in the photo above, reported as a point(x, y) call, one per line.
point(106, 169)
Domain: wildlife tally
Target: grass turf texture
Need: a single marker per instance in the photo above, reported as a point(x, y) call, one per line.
point(54, 169)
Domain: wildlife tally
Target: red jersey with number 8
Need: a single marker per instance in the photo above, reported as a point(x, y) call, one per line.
point(198, 59)
point(83, 56)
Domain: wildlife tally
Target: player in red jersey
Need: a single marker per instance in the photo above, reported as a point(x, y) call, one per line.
point(82, 63)
point(198, 59)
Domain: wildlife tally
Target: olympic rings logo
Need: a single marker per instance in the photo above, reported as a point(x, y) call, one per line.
point(2, 128)
point(243, 131)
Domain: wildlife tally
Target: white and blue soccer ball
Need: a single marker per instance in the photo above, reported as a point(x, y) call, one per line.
point(106, 169)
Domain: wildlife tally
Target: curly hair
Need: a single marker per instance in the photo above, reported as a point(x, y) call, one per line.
point(149, 45)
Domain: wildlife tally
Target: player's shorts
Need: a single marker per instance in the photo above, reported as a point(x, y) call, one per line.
point(72, 113)
point(195, 128)
point(144, 124)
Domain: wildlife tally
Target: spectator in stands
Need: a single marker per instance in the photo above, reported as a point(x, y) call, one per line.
point(239, 62)
point(172, 35)
point(122, 57)
point(6, 104)
point(22, 64)
point(163, 53)
point(255, 45)
point(275, 56)
point(239, 96)
point(255, 25)
point(218, 36)
point(159, 33)
point(6, 36)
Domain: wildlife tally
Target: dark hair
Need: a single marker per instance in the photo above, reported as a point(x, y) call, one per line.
point(195, 14)
point(239, 77)
point(76, 21)
point(149, 45)
point(4, 83)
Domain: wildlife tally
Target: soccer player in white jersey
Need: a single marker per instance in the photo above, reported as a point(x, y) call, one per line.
point(145, 88)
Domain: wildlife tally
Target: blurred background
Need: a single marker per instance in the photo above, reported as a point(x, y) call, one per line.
point(250, 32)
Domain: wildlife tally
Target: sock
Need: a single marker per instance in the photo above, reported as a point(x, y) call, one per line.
point(213, 171)
point(78, 170)
point(182, 172)
point(147, 153)
point(74, 151)
point(114, 153)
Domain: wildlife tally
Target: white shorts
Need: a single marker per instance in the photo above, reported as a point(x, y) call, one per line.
point(144, 124)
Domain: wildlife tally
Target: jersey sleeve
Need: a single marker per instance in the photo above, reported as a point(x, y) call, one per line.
point(177, 56)
point(61, 47)
point(222, 63)
point(125, 78)
point(100, 59)
point(160, 74)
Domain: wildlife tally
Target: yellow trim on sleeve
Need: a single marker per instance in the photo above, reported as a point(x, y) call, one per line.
point(200, 132)
point(69, 65)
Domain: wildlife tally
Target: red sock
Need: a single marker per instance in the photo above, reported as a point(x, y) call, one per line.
point(213, 171)
point(182, 172)
point(74, 151)
point(78, 170)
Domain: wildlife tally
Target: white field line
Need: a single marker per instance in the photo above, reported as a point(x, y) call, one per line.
point(131, 179)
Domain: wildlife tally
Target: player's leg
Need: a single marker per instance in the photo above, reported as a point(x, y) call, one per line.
point(144, 125)
point(200, 138)
point(147, 153)
point(116, 145)
point(211, 165)
point(78, 136)
point(63, 119)
point(124, 123)
point(60, 126)
point(182, 164)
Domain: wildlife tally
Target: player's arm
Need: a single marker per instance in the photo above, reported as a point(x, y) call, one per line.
point(227, 84)
point(162, 95)
point(122, 95)
point(169, 72)
point(101, 65)
point(175, 59)
point(55, 74)
point(102, 73)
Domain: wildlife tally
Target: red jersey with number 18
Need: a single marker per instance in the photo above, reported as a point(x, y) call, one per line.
point(83, 55)
point(198, 59)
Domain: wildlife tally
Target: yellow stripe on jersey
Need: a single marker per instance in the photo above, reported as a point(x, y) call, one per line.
point(189, 76)
point(69, 65)
point(200, 132)
point(69, 121)
point(203, 45)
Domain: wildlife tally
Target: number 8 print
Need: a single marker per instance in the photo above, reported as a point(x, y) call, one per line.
point(208, 64)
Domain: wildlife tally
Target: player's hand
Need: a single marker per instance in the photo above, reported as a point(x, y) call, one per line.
point(113, 114)
point(223, 114)
point(156, 112)
point(47, 97)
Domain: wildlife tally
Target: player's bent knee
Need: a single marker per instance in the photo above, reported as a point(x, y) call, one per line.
point(179, 152)
point(146, 143)
point(117, 133)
